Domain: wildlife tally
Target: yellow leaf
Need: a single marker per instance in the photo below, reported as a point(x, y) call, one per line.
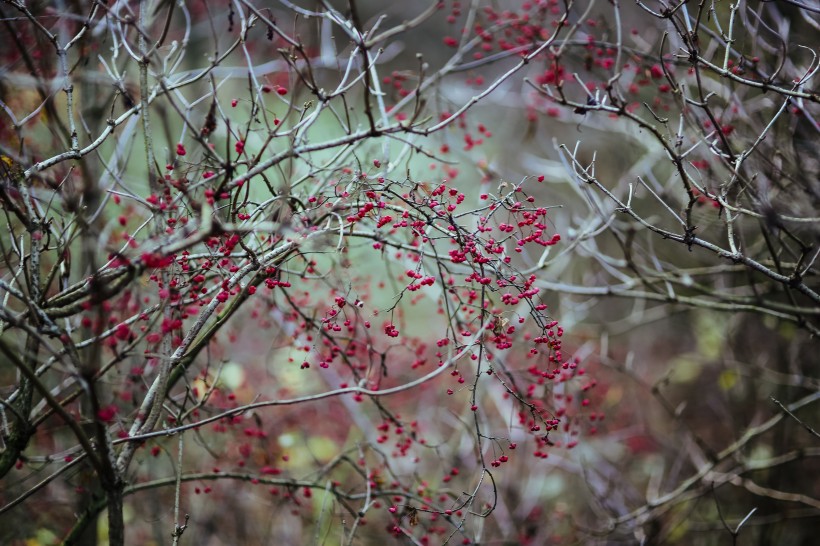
point(322, 448)
point(687, 367)
point(727, 379)
point(711, 334)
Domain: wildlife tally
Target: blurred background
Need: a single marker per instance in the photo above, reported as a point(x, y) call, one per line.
point(694, 356)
